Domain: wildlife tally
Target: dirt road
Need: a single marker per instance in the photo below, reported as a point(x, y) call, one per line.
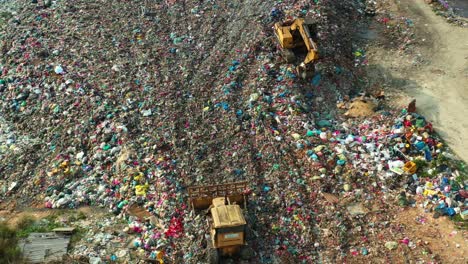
point(440, 82)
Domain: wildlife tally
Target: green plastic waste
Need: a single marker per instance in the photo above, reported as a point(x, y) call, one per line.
point(324, 123)
point(420, 122)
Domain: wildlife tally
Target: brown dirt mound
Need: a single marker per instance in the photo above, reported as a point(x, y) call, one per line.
point(361, 108)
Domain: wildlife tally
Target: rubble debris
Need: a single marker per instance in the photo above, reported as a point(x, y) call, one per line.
point(44, 247)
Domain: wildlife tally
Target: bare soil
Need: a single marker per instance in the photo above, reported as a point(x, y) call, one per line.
point(439, 235)
point(12, 218)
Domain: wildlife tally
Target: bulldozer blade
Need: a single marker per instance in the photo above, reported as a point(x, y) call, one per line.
point(201, 197)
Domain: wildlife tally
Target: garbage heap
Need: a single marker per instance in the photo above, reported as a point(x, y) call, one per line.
point(453, 11)
point(123, 105)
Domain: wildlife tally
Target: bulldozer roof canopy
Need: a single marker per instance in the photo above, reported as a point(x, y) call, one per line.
point(227, 216)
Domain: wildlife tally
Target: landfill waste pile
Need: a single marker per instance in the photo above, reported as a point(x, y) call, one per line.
point(126, 109)
point(453, 10)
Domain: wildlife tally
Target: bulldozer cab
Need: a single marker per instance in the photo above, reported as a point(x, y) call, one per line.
point(228, 224)
point(297, 33)
point(297, 39)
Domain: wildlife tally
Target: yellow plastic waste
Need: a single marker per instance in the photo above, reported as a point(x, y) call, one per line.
point(160, 256)
point(429, 192)
point(429, 185)
point(140, 190)
point(410, 167)
point(64, 164)
point(138, 176)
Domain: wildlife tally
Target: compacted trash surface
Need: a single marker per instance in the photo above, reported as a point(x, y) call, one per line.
point(119, 106)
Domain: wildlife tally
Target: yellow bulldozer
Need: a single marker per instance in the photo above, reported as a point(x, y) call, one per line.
point(226, 221)
point(296, 37)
